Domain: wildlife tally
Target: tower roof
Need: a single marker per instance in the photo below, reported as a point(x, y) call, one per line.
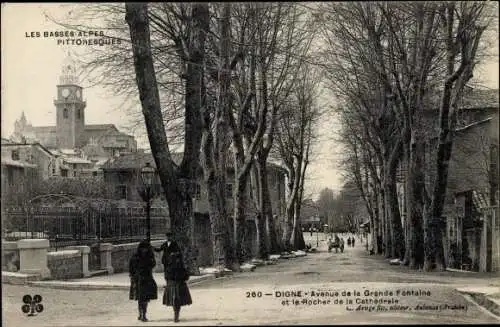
point(68, 72)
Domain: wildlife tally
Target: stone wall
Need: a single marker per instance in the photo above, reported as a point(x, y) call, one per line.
point(65, 264)
point(122, 253)
point(10, 256)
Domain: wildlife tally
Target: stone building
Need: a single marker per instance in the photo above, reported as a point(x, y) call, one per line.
point(70, 131)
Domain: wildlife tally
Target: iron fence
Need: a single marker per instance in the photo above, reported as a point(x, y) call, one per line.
point(70, 226)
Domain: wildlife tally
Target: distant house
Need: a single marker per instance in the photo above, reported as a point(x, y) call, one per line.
point(6, 141)
point(473, 188)
point(19, 174)
point(123, 172)
point(73, 164)
point(33, 154)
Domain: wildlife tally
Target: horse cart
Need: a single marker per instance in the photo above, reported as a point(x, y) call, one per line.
point(337, 244)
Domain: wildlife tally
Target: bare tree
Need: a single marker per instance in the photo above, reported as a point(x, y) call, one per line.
point(175, 179)
point(295, 139)
point(404, 48)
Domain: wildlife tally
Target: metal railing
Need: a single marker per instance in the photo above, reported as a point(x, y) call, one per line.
point(69, 226)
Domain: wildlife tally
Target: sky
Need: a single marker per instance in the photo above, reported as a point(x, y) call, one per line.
point(30, 72)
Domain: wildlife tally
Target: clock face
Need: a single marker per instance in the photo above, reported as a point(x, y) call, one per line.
point(78, 93)
point(65, 93)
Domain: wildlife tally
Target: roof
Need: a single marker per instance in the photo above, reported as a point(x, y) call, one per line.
point(480, 98)
point(473, 99)
point(74, 160)
point(67, 151)
point(136, 160)
point(477, 123)
point(45, 129)
point(30, 144)
point(94, 150)
point(100, 127)
point(91, 127)
point(15, 163)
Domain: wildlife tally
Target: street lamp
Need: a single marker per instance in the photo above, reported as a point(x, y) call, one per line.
point(147, 178)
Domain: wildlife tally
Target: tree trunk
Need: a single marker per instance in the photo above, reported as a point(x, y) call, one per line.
point(297, 242)
point(272, 245)
point(386, 231)
point(397, 237)
point(181, 213)
point(408, 219)
point(262, 235)
point(375, 228)
point(240, 207)
point(416, 204)
point(179, 201)
point(293, 185)
point(215, 180)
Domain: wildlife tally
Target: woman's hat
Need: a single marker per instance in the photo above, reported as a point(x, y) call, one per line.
point(144, 244)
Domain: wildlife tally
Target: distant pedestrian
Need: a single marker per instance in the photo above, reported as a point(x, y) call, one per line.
point(143, 287)
point(348, 241)
point(353, 241)
point(176, 292)
point(311, 231)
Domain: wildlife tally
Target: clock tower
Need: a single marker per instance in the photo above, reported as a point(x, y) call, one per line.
point(70, 108)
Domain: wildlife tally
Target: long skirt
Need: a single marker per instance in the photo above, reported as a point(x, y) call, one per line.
point(143, 289)
point(176, 294)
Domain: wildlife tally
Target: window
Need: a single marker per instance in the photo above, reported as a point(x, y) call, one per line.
point(94, 173)
point(229, 190)
point(64, 172)
point(197, 191)
point(53, 171)
point(121, 191)
point(15, 155)
point(65, 113)
point(123, 177)
point(74, 174)
point(10, 177)
point(79, 113)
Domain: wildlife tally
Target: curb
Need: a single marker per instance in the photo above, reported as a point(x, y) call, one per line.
point(484, 301)
point(85, 286)
point(89, 286)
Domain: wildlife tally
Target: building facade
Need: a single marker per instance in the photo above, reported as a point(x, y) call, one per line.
point(34, 154)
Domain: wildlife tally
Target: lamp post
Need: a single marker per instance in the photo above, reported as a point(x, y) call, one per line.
point(147, 177)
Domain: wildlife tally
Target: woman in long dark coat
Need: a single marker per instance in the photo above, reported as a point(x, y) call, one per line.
point(143, 287)
point(176, 292)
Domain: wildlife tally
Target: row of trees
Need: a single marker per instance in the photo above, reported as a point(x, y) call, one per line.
point(243, 80)
point(389, 63)
point(229, 83)
point(340, 210)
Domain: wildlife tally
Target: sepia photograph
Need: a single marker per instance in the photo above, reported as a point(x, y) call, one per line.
point(250, 163)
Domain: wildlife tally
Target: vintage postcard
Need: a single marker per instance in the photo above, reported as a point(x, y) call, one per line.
point(280, 163)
